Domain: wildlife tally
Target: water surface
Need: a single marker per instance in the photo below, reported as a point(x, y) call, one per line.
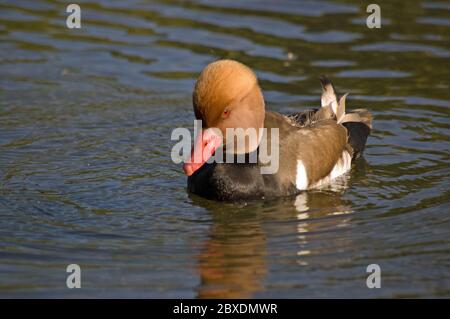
point(86, 175)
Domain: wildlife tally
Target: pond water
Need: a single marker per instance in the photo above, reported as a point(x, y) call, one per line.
point(86, 175)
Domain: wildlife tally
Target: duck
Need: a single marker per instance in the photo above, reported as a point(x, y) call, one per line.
point(312, 147)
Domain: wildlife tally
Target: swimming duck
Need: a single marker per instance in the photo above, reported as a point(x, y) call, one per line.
point(312, 147)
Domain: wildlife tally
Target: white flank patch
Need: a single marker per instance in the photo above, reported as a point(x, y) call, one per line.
point(342, 166)
point(301, 179)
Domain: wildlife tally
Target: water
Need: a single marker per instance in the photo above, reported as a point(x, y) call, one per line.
point(86, 175)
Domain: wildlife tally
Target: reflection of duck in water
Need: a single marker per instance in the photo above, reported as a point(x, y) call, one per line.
point(234, 259)
point(315, 146)
point(328, 198)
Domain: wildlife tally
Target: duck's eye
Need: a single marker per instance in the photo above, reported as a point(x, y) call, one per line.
point(225, 113)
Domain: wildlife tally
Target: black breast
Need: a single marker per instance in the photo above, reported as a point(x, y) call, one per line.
point(227, 182)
